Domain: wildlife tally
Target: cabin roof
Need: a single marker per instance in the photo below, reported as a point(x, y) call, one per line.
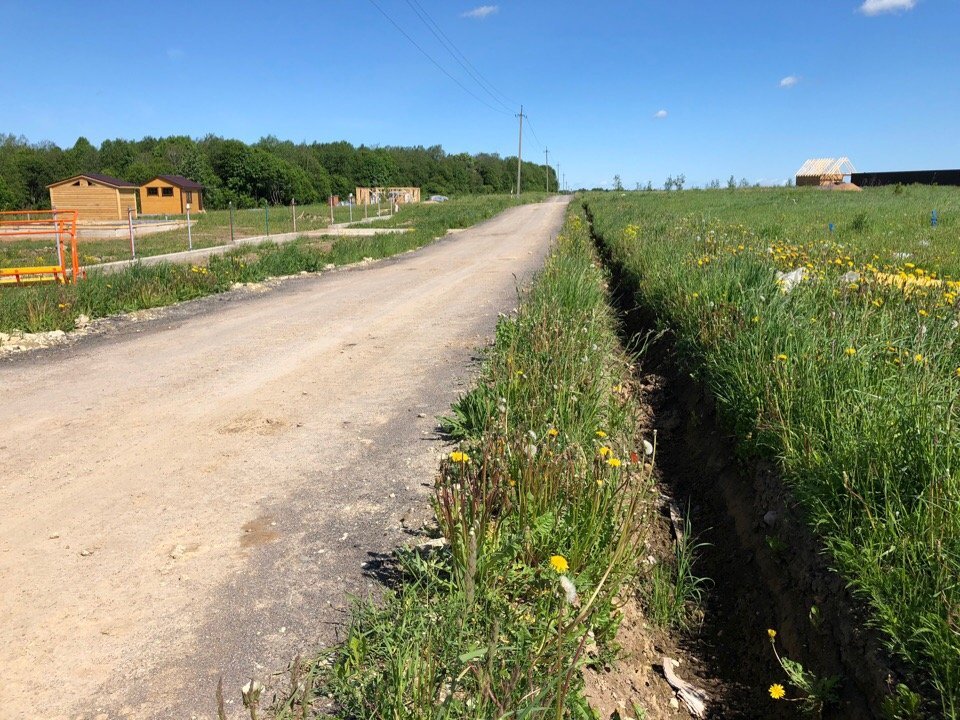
point(178, 180)
point(97, 178)
point(818, 167)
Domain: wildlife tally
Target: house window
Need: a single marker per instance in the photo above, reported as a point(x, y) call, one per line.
point(167, 192)
point(189, 197)
point(153, 192)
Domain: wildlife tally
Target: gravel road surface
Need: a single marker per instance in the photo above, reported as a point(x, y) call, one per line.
point(200, 493)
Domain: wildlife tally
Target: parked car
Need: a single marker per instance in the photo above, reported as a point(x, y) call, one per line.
point(438, 198)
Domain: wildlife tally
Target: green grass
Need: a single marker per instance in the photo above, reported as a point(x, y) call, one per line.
point(484, 628)
point(55, 307)
point(212, 228)
point(851, 383)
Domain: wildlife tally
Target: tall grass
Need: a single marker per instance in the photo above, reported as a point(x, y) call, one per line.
point(542, 512)
point(851, 380)
point(56, 307)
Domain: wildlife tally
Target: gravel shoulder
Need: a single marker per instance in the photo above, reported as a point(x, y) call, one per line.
point(197, 494)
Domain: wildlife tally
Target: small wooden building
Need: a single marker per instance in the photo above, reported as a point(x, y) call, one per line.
point(169, 195)
point(400, 195)
point(94, 196)
point(819, 172)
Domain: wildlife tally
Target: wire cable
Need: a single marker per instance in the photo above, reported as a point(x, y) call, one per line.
point(457, 55)
point(534, 132)
point(438, 65)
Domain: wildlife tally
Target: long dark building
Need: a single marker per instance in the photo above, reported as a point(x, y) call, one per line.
point(907, 177)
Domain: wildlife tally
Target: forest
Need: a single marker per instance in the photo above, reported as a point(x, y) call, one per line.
point(270, 170)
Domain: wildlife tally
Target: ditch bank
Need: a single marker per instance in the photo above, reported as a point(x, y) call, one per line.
point(766, 570)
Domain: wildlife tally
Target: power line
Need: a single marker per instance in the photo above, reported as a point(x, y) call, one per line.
point(438, 65)
point(457, 55)
point(530, 125)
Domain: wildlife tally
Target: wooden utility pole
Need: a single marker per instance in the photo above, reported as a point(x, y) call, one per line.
point(546, 163)
point(519, 150)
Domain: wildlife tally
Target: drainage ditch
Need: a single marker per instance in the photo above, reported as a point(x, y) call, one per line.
point(766, 570)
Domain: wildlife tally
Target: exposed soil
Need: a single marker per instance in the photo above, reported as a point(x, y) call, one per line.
point(196, 494)
point(766, 570)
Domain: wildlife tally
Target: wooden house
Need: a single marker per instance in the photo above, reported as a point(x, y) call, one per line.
point(94, 196)
point(400, 195)
point(821, 172)
point(170, 195)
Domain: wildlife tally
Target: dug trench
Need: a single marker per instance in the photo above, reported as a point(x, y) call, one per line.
point(763, 567)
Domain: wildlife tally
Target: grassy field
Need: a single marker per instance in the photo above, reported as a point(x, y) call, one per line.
point(56, 307)
point(208, 229)
point(850, 379)
point(543, 509)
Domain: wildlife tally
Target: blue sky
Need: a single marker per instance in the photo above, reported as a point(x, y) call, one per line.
point(876, 80)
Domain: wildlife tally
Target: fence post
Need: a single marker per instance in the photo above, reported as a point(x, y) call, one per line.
point(331, 209)
point(266, 215)
point(189, 230)
point(231, 222)
point(133, 244)
point(293, 211)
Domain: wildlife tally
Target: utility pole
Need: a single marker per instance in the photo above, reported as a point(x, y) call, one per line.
point(559, 186)
point(519, 150)
point(546, 162)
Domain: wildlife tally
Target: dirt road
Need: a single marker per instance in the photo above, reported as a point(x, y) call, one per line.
point(198, 494)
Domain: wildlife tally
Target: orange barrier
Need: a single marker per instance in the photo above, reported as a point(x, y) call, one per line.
point(60, 225)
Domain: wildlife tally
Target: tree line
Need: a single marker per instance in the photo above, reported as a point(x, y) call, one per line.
point(270, 170)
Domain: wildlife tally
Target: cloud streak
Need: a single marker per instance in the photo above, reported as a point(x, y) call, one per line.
point(481, 12)
point(878, 7)
point(789, 81)
point(660, 114)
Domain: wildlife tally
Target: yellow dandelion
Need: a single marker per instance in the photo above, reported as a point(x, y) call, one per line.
point(603, 451)
point(922, 313)
point(850, 351)
point(601, 434)
point(771, 633)
point(919, 359)
point(559, 563)
point(459, 457)
point(777, 692)
point(781, 357)
point(553, 432)
point(958, 372)
point(614, 462)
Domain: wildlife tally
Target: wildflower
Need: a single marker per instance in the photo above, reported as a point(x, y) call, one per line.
point(755, 319)
point(569, 591)
point(781, 357)
point(922, 313)
point(777, 692)
point(771, 633)
point(553, 432)
point(601, 434)
point(559, 563)
point(919, 359)
point(851, 351)
point(614, 462)
point(958, 372)
point(459, 457)
point(603, 451)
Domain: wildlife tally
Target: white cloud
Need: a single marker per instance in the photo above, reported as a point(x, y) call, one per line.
point(789, 81)
point(876, 7)
point(481, 11)
point(660, 114)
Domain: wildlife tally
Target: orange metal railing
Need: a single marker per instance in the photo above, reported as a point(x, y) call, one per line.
point(59, 225)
